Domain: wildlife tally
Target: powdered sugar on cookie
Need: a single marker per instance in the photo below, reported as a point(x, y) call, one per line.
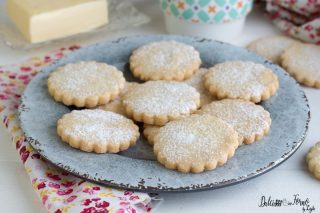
point(116, 104)
point(166, 99)
point(196, 81)
point(271, 47)
point(83, 80)
point(302, 61)
point(164, 60)
point(249, 120)
point(241, 79)
point(97, 129)
point(195, 143)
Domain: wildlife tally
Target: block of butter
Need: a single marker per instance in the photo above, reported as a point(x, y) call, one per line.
point(42, 20)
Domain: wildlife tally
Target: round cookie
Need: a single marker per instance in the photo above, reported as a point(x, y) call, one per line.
point(196, 81)
point(195, 143)
point(251, 121)
point(271, 47)
point(150, 131)
point(97, 131)
point(157, 102)
point(164, 60)
point(85, 84)
point(241, 80)
point(116, 104)
point(302, 61)
point(313, 160)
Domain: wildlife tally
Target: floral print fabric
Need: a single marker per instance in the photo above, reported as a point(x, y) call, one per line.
point(297, 18)
point(59, 191)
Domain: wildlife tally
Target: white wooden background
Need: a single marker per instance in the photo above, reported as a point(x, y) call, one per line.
point(292, 177)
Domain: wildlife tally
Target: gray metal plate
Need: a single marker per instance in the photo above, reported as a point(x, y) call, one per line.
point(136, 168)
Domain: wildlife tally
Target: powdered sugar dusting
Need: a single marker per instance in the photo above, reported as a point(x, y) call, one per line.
point(196, 81)
point(305, 59)
point(98, 126)
point(245, 117)
point(240, 78)
point(116, 104)
point(196, 139)
point(162, 98)
point(271, 47)
point(83, 79)
point(165, 58)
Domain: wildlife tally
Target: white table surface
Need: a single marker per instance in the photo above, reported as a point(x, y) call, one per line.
point(290, 178)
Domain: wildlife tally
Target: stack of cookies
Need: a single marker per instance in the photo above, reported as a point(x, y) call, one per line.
point(195, 118)
point(300, 60)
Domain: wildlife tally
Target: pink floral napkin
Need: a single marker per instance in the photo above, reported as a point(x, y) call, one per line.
point(297, 18)
point(58, 190)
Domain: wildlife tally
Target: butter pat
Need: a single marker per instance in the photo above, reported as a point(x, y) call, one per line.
point(42, 20)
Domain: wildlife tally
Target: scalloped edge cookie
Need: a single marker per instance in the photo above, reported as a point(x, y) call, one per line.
point(72, 129)
point(196, 81)
point(116, 104)
point(149, 132)
point(148, 61)
point(296, 63)
point(271, 47)
point(313, 160)
point(268, 90)
point(143, 102)
point(67, 97)
point(241, 108)
point(173, 140)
